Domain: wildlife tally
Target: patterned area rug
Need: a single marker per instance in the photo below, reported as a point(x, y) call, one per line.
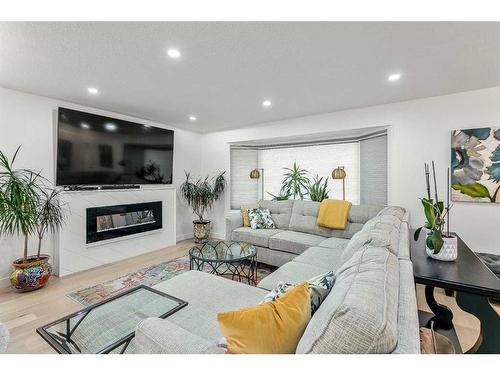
point(145, 276)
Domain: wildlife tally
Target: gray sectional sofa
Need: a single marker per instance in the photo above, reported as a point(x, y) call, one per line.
point(296, 230)
point(370, 309)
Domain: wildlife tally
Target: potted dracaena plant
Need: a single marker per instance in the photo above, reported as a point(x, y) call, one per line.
point(28, 207)
point(440, 244)
point(201, 194)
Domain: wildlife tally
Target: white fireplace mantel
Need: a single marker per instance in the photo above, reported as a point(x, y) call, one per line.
point(73, 254)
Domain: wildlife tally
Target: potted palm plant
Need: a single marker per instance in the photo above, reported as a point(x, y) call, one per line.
point(201, 194)
point(295, 181)
point(28, 207)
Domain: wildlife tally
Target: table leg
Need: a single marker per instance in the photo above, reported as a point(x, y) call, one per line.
point(443, 317)
point(489, 336)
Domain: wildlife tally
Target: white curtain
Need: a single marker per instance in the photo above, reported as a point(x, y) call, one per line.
point(321, 160)
point(243, 189)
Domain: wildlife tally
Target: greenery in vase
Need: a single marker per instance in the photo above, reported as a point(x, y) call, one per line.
point(436, 214)
point(283, 194)
point(295, 181)
point(201, 194)
point(27, 205)
point(317, 189)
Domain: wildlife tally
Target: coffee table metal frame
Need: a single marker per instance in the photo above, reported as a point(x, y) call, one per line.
point(59, 344)
point(236, 268)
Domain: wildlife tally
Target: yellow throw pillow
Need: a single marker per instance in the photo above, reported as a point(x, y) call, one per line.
point(333, 214)
point(245, 217)
point(270, 328)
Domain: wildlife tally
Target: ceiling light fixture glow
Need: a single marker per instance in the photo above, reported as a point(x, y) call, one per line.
point(110, 127)
point(266, 103)
point(394, 77)
point(193, 118)
point(92, 90)
point(173, 53)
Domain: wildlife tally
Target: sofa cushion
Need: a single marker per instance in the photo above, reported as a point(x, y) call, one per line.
point(160, 336)
point(207, 295)
point(293, 242)
point(360, 315)
point(304, 217)
point(280, 211)
point(362, 213)
point(258, 237)
point(291, 273)
point(334, 243)
point(397, 211)
point(382, 230)
point(355, 244)
point(320, 257)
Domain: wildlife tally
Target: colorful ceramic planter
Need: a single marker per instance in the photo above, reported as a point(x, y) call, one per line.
point(30, 273)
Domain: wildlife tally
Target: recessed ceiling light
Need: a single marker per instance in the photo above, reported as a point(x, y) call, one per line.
point(394, 77)
point(84, 125)
point(266, 103)
point(110, 126)
point(193, 118)
point(173, 53)
point(92, 90)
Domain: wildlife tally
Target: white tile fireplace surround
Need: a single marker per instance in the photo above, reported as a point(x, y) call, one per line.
point(73, 254)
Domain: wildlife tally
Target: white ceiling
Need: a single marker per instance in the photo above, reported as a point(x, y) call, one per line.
point(227, 69)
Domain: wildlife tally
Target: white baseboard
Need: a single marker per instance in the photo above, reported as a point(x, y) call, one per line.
point(218, 236)
point(185, 236)
point(188, 236)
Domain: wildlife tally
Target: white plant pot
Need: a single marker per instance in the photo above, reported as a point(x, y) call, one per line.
point(448, 252)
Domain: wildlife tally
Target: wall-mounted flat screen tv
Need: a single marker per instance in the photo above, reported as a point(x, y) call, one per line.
point(99, 150)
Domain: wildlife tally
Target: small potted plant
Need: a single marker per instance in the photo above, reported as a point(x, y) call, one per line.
point(201, 194)
point(28, 207)
point(440, 244)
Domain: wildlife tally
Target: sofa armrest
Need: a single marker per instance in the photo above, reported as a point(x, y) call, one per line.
point(159, 336)
point(233, 221)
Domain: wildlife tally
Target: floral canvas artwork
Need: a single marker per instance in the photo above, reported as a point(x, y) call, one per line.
point(475, 165)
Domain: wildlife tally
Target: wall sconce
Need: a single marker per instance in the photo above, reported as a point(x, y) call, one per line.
point(339, 174)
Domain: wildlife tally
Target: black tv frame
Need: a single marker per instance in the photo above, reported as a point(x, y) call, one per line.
point(96, 186)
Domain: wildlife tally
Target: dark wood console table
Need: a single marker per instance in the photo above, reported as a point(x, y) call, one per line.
point(474, 285)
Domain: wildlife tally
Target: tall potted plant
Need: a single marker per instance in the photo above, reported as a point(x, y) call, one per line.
point(295, 181)
point(439, 244)
point(201, 194)
point(28, 207)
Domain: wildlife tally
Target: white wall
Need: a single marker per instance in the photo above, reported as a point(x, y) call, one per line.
point(29, 120)
point(420, 131)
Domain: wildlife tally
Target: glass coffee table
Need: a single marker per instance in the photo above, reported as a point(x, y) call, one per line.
point(109, 326)
point(234, 259)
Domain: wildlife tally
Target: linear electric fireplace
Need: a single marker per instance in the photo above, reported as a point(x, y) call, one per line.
point(104, 223)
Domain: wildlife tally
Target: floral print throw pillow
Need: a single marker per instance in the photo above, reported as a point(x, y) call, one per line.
point(260, 218)
point(319, 287)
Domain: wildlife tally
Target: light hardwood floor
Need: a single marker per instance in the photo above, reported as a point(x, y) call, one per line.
point(23, 313)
